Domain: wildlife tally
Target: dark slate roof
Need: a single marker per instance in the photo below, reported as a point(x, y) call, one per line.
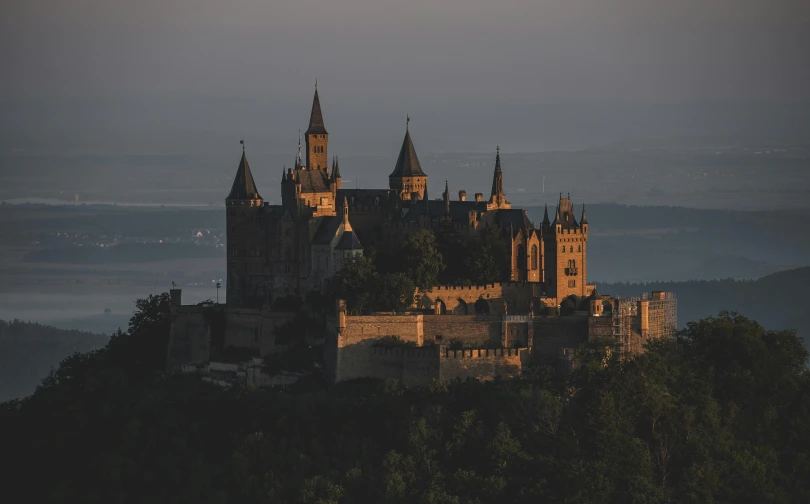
point(316, 126)
point(349, 241)
point(326, 231)
point(594, 294)
point(312, 181)
point(364, 197)
point(243, 188)
point(513, 218)
point(407, 162)
point(459, 210)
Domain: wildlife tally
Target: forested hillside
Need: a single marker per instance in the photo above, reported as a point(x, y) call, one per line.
point(778, 301)
point(29, 351)
point(722, 415)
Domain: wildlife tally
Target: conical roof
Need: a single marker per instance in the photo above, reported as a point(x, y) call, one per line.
point(316, 126)
point(243, 188)
point(546, 222)
point(497, 177)
point(407, 162)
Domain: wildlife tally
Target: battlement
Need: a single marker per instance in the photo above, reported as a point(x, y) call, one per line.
point(484, 353)
point(402, 352)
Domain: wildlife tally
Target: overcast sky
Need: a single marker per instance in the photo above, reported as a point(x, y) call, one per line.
point(475, 67)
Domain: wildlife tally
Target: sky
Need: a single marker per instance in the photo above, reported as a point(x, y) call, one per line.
point(536, 74)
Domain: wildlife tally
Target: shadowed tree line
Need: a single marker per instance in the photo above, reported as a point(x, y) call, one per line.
point(721, 415)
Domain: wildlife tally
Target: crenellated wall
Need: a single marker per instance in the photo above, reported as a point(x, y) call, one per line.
point(482, 363)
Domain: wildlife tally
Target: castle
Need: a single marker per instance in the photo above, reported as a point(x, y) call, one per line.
point(278, 252)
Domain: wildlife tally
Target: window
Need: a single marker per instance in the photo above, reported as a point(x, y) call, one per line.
point(534, 257)
point(572, 283)
point(287, 232)
point(579, 248)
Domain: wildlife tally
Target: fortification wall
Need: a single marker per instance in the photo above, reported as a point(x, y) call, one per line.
point(482, 364)
point(254, 329)
point(189, 339)
point(414, 366)
point(600, 328)
point(471, 330)
point(461, 300)
point(553, 333)
point(355, 343)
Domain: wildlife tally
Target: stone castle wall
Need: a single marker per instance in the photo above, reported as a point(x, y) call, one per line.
point(482, 363)
point(199, 332)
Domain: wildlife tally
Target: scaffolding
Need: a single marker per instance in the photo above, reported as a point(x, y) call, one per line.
point(639, 319)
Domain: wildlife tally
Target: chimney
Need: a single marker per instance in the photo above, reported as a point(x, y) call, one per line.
point(175, 297)
point(462, 195)
point(479, 196)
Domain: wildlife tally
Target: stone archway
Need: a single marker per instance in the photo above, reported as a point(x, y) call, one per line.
point(481, 307)
point(441, 308)
point(461, 308)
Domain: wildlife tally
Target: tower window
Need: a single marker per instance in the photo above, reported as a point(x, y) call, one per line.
point(579, 248)
point(534, 257)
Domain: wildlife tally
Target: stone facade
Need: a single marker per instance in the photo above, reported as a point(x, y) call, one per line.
point(283, 250)
point(275, 252)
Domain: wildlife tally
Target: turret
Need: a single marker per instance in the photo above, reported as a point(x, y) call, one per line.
point(408, 176)
point(497, 198)
point(243, 191)
point(335, 173)
point(317, 137)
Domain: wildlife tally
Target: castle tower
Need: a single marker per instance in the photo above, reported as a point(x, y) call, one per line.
point(566, 252)
point(335, 178)
point(497, 198)
point(317, 138)
point(408, 177)
point(242, 205)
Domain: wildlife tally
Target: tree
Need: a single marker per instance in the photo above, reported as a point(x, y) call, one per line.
point(355, 283)
point(421, 259)
point(395, 291)
point(143, 348)
point(487, 259)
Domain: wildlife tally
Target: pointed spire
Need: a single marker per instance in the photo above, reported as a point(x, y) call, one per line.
point(284, 174)
point(407, 162)
point(584, 219)
point(336, 172)
point(407, 122)
point(497, 178)
point(346, 224)
point(243, 188)
point(545, 216)
point(557, 219)
point(316, 126)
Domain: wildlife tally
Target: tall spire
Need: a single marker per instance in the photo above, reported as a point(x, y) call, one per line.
point(336, 169)
point(298, 158)
point(316, 126)
point(545, 217)
point(497, 195)
point(584, 219)
point(243, 188)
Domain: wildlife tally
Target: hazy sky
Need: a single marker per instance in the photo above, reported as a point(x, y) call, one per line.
point(223, 66)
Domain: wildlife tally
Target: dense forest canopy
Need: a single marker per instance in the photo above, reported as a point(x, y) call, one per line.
point(720, 415)
point(29, 351)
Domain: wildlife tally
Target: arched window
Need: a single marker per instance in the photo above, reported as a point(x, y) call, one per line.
point(579, 248)
point(314, 149)
point(534, 257)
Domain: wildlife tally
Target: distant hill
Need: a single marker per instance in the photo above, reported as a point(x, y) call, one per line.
point(28, 351)
point(778, 301)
